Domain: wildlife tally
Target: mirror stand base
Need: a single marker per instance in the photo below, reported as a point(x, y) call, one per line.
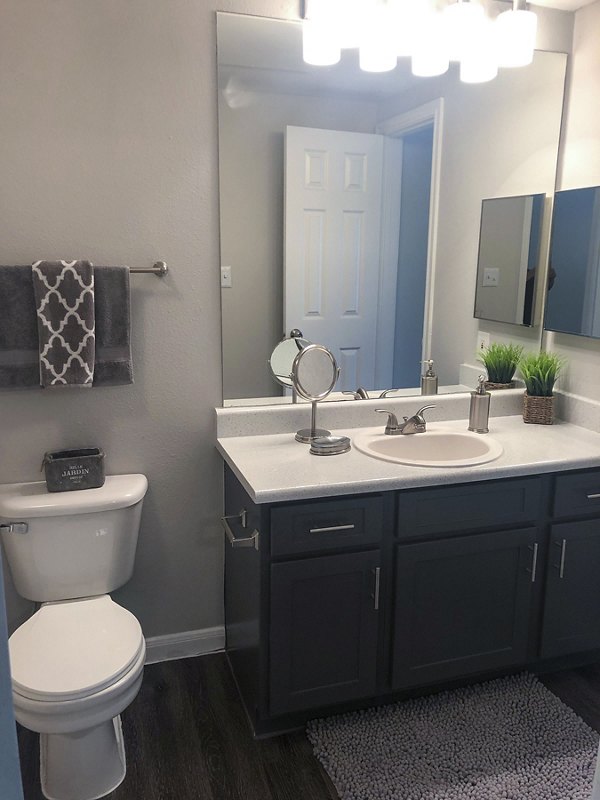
point(306, 435)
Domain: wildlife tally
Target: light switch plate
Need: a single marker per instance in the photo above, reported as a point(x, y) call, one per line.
point(483, 341)
point(491, 276)
point(226, 282)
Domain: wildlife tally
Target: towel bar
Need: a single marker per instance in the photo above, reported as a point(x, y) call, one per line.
point(159, 269)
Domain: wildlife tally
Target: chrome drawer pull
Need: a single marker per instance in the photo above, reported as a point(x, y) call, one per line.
point(375, 594)
point(332, 528)
point(246, 541)
point(594, 496)
point(15, 527)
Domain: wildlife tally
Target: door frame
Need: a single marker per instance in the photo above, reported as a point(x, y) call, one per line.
point(431, 113)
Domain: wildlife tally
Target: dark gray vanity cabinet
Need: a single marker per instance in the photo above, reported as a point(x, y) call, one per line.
point(462, 605)
point(571, 620)
point(324, 630)
point(465, 579)
point(572, 602)
point(361, 599)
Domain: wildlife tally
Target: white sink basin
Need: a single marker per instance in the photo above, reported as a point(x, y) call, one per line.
point(434, 448)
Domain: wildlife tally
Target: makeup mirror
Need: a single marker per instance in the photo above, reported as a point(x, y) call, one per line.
point(314, 375)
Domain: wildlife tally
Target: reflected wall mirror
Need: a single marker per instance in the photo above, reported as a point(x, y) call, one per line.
point(573, 302)
point(508, 260)
point(350, 204)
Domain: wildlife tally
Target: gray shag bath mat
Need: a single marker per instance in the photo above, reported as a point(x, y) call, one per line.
point(508, 739)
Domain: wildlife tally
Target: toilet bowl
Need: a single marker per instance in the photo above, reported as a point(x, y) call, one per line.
point(76, 665)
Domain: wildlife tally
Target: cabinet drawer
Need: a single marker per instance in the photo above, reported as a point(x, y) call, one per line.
point(576, 495)
point(326, 525)
point(468, 507)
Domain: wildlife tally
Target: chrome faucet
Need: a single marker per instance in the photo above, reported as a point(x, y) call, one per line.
point(359, 394)
point(414, 424)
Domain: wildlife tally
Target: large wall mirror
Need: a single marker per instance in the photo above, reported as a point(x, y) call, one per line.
point(351, 203)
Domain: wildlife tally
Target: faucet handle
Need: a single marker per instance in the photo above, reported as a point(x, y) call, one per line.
point(421, 410)
point(392, 423)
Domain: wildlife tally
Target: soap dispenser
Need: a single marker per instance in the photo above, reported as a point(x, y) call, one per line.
point(429, 381)
point(479, 412)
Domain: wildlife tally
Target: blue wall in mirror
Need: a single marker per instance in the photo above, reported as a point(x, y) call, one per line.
point(573, 304)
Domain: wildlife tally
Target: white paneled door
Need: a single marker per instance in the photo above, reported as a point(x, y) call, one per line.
point(332, 245)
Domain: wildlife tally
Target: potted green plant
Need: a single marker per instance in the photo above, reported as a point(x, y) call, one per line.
point(500, 361)
point(540, 371)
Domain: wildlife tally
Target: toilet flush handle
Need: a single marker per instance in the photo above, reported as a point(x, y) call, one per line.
point(14, 527)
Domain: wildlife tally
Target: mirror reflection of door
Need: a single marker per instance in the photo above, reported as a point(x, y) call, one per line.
point(335, 267)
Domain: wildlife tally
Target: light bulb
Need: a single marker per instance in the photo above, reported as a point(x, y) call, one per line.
point(515, 32)
point(463, 23)
point(430, 51)
point(377, 51)
point(319, 46)
point(407, 20)
point(480, 60)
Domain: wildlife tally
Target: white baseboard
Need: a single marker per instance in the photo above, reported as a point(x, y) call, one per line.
point(185, 644)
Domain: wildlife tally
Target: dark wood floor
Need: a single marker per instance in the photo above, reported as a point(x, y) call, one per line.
point(187, 738)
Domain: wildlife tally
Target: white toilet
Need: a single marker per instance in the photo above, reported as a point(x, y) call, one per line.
point(77, 663)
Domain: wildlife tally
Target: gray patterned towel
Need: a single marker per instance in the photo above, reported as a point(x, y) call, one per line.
point(64, 299)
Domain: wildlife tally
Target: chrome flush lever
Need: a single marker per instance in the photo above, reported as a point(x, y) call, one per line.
point(14, 527)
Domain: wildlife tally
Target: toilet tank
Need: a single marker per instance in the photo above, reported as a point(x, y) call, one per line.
point(76, 544)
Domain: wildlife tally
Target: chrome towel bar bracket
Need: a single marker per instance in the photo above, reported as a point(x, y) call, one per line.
point(159, 268)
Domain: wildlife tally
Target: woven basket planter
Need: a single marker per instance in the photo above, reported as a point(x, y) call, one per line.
point(490, 385)
point(538, 410)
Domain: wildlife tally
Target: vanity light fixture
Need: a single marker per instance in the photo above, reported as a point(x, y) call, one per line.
point(385, 30)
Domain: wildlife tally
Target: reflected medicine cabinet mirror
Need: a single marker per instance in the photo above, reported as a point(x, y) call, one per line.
point(508, 260)
point(441, 146)
point(573, 301)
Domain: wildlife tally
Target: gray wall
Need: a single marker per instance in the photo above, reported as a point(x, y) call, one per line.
point(109, 152)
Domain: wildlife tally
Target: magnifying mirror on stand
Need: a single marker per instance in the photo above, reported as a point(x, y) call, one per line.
point(282, 358)
point(314, 374)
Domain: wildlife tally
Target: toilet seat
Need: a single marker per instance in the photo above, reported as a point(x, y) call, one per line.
point(72, 649)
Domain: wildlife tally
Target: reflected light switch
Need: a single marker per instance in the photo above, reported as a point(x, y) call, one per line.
point(226, 278)
point(491, 276)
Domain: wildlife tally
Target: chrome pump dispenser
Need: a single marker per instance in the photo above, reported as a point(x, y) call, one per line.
point(429, 381)
point(479, 412)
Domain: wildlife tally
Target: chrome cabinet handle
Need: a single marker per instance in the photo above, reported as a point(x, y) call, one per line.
point(244, 541)
point(534, 560)
point(593, 496)
point(15, 527)
point(332, 528)
point(563, 551)
point(375, 595)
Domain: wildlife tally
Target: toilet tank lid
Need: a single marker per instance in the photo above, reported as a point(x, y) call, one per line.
point(27, 500)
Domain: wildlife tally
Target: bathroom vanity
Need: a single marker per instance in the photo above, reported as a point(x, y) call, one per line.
point(396, 586)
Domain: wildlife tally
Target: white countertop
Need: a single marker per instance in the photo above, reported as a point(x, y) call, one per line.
point(275, 468)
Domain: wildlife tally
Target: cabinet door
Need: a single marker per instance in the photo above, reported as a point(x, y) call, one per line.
point(572, 602)
point(462, 605)
point(324, 621)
